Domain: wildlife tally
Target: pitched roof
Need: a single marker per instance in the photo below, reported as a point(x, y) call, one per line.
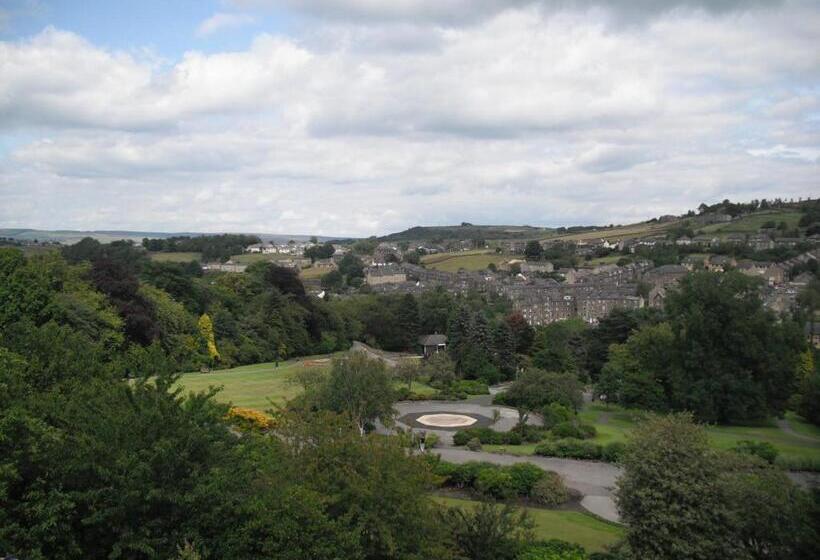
point(433, 340)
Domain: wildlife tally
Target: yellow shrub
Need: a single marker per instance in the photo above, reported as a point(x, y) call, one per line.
point(248, 419)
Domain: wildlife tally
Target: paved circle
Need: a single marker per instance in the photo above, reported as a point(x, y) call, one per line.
point(446, 420)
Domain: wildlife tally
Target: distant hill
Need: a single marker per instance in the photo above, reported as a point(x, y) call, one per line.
point(69, 237)
point(467, 231)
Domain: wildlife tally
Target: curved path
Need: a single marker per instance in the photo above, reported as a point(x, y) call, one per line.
point(784, 425)
point(592, 479)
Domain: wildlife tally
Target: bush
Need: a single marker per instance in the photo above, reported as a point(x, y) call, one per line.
point(495, 483)
point(573, 429)
point(550, 490)
point(524, 477)
point(470, 387)
point(530, 434)
point(556, 413)
point(462, 476)
point(487, 436)
point(612, 452)
point(474, 444)
point(553, 550)
point(570, 449)
point(762, 449)
point(430, 440)
point(249, 420)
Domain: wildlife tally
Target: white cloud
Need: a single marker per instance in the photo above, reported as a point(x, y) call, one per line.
point(524, 116)
point(221, 20)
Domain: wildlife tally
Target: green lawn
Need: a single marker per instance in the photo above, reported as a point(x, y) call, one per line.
point(572, 526)
point(614, 424)
point(180, 257)
point(250, 258)
point(251, 386)
point(802, 426)
point(753, 222)
point(468, 260)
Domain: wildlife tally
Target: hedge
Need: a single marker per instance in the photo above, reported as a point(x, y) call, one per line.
point(553, 550)
point(579, 449)
point(503, 482)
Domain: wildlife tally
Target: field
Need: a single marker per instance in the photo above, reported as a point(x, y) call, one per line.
point(613, 423)
point(753, 222)
point(251, 386)
point(571, 526)
point(255, 386)
point(310, 272)
point(250, 258)
point(618, 232)
point(175, 257)
point(468, 260)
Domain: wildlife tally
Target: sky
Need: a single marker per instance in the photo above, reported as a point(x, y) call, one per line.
point(364, 117)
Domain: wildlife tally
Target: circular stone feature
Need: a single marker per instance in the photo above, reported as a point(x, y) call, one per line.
point(446, 420)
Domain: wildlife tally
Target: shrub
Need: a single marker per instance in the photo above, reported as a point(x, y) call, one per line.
point(464, 476)
point(569, 448)
point(470, 387)
point(430, 440)
point(550, 490)
point(524, 476)
point(556, 413)
point(762, 449)
point(249, 420)
point(474, 444)
point(612, 452)
point(495, 483)
point(530, 434)
point(553, 550)
point(573, 429)
point(487, 436)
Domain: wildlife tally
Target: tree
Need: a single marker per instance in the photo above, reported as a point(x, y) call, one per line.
point(206, 331)
point(809, 404)
point(360, 388)
point(504, 348)
point(779, 525)
point(533, 250)
point(407, 316)
point(333, 280)
point(636, 375)
point(490, 531)
point(522, 332)
point(732, 359)
point(407, 372)
point(440, 368)
point(535, 388)
point(669, 495)
point(351, 267)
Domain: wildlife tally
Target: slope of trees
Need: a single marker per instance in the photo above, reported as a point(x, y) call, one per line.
point(212, 247)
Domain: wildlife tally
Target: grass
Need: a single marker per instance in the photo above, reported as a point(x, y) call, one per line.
point(753, 222)
point(618, 232)
point(310, 273)
point(802, 426)
point(250, 258)
point(609, 259)
point(572, 526)
point(468, 260)
point(613, 423)
point(251, 386)
point(180, 257)
point(254, 386)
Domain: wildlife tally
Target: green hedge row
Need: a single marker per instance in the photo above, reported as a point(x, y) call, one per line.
point(571, 448)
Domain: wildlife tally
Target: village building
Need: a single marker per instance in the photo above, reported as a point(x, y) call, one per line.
point(387, 274)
